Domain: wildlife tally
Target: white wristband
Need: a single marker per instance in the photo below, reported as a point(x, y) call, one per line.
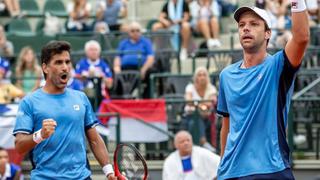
point(107, 169)
point(37, 137)
point(298, 5)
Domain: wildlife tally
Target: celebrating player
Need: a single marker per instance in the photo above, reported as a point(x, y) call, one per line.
point(54, 120)
point(254, 98)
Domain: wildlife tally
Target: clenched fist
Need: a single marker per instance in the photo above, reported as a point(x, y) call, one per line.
point(48, 128)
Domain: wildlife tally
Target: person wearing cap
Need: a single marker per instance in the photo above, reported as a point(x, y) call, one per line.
point(254, 98)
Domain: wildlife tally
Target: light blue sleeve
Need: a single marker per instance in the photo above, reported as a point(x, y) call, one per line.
point(24, 120)
point(90, 119)
point(222, 108)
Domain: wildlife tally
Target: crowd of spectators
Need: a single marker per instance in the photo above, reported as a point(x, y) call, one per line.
point(136, 52)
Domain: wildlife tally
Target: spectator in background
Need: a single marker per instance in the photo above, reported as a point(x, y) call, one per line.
point(6, 47)
point(79, 12)
point(28, 71)
point(175, 16)
point(12, 6)
point(205, 14)
point(74, 82)
point(313, 10)
point(277, 11)
point(142, 60)
point(139, 55)
point(108, 14)
point(189, 162)
point(8, 92)
point(201, 90)
point(8, 171)
point(94, 66)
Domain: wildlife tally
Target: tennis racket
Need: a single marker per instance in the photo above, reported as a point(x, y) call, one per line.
point(129, 163)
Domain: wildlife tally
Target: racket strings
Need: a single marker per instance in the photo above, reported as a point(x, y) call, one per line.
point(130, 164)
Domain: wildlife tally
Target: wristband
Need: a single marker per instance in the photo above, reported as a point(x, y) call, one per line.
point(107, 169)
point(298, 5)
point(37, 138)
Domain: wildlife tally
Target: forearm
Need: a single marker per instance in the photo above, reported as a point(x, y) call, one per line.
point(300, 27)
point(117, 65)
point(223, 135)
point(149, 62)
point(98, 147)
point(24, 143)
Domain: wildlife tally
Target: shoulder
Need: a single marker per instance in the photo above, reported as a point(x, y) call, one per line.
point(205, 152)
point(171, 158)
point(124, 42)
point(190, 87)
point(230, 68)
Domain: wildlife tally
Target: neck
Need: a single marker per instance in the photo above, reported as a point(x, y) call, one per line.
point(253, 59)
point(48, 88)
point(2, 169)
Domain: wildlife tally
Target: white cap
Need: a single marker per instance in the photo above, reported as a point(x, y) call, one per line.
point(260, 12)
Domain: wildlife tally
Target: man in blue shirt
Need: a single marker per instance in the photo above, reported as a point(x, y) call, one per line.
point(136, 53)
point(254, 98)
point(8, 171)
point(92, 66)
point(53, 122)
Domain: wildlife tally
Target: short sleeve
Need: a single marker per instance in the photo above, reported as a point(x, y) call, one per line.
point(24, 120)
point(189, 88)
point(121, 47)
point(149, 49)
point(107, 71)
point(70, 7)
point(78, 68)
point(90, 117)
point(222, 108)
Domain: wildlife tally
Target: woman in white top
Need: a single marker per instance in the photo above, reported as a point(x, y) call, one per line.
point(79, 12)
point(201, 90)
point(205, 14)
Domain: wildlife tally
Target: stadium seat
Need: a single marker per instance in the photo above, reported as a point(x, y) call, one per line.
point(125, 85)
point(55, 7)
point(30, 7)
point(78, 39)
point(20, 41)
point(20, 26)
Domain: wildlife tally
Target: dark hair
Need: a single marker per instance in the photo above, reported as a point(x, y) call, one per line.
point(51, 49)
point(2, 149)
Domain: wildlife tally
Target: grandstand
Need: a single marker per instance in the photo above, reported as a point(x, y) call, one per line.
point(171, 78)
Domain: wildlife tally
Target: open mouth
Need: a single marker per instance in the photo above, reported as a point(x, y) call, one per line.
point(247, 37)
point(64, 77)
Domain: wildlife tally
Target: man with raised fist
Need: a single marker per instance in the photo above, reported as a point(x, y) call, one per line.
point(54, 121)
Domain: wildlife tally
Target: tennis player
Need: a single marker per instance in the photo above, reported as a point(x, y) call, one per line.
point(254, 98)
point(54, 121)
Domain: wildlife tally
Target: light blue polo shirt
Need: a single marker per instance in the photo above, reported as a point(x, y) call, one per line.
point(257, 102)
point(63, 154)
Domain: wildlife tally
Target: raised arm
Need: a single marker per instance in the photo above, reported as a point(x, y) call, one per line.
point(297, 45)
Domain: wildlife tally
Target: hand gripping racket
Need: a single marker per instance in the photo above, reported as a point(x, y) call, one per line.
point(129, 163)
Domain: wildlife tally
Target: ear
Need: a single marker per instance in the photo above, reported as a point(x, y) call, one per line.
point(44, 68)
point(268, 34)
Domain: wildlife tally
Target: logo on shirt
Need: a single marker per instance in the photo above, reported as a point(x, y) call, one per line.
point(76, 107)
point(260, 76)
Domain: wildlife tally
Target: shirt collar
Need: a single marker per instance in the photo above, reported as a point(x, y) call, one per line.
point(95, 63)
point(7, 173)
